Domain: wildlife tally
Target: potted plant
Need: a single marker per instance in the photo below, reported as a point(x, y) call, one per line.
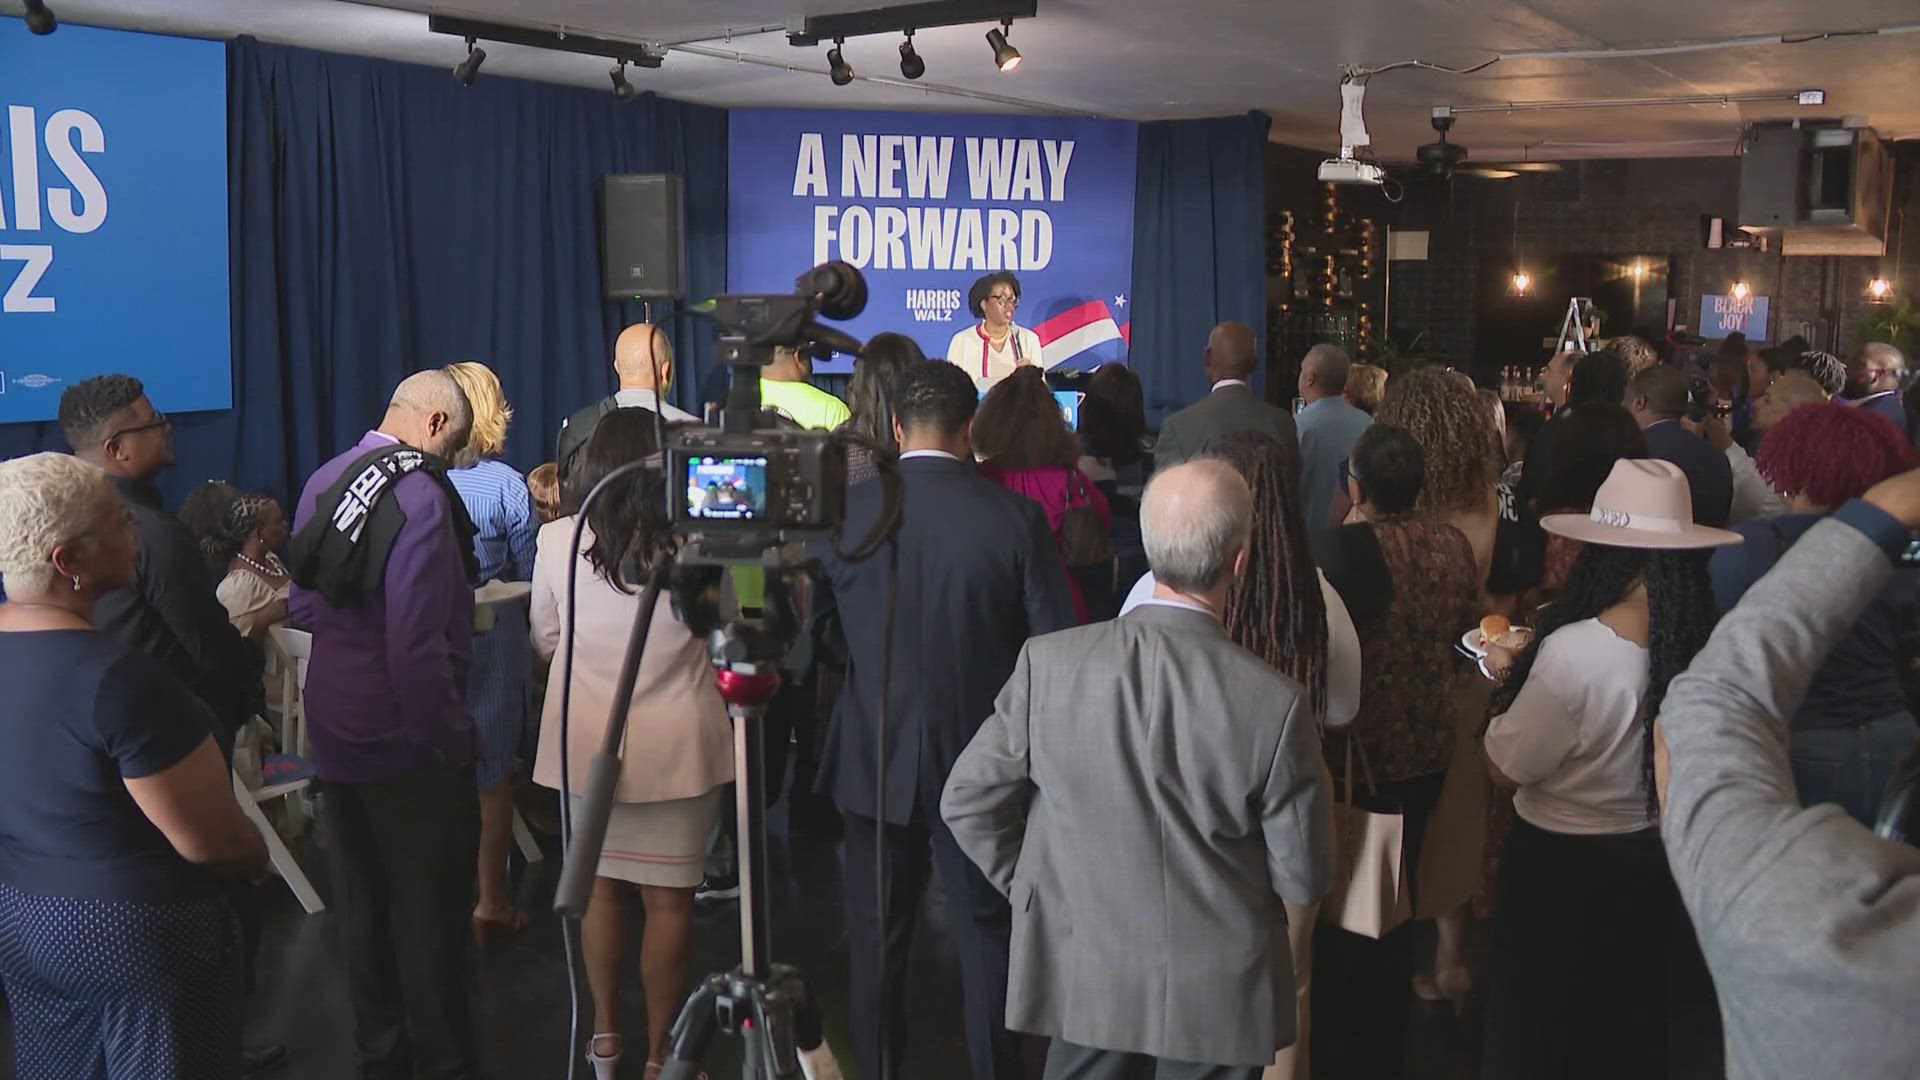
point(1896, 322)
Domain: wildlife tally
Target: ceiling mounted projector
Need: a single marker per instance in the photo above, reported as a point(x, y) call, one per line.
point(1346, 170)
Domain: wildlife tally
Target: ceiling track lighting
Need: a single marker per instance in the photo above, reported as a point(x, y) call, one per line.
point(911, 66)
point(622, 89)
point(1005, 56)
point(1522, 283)
point(469, 69)
point(838, 69)
point(40, 19)
point(1740, 290)
point(643, 54)
point(1879, 290)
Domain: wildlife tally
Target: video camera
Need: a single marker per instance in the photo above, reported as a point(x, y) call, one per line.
point(749, 486)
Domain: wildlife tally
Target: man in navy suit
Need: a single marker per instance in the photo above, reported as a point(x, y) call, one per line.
point(1657, 397)
point(971, 573)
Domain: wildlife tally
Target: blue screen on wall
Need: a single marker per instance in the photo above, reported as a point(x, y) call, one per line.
point(113, 217)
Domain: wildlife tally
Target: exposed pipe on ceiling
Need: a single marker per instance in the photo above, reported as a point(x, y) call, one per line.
point(1627, 52)
point(1620, 103)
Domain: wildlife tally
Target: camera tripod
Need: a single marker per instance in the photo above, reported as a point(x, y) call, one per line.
point(768, 1006)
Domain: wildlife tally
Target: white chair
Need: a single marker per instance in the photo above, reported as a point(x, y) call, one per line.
point(296, 649)
point(283, 861)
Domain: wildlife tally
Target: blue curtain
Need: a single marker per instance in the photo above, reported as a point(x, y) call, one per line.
point(386, 219)
point(1199, 248)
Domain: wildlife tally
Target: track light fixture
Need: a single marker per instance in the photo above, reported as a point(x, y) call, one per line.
point(911, 66)
point(39, 19)
point(622, 89)
point(469, 69)
point(1005, 56)
point(1740, 290)
point(838, 69)
point(1879, 289)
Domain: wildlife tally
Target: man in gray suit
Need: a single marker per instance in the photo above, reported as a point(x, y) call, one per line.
point(1328, 426)
point(1147, 793)
point(1232, 354)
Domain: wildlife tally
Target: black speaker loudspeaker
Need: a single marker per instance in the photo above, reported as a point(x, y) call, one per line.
point(642, 223)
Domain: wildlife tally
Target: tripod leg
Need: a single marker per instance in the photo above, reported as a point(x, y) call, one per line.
point(692, 1032)
point(773, 1013)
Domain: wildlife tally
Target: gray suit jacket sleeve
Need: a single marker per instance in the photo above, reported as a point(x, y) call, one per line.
point(987, 794)
point(1297, 811)
point(1810, 923)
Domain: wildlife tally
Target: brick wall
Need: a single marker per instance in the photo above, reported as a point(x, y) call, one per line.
point(1650, 206)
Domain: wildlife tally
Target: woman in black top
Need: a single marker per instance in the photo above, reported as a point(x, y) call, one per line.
point(119, 951)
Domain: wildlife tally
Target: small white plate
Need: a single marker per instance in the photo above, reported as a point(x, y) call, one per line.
point(1475, 642)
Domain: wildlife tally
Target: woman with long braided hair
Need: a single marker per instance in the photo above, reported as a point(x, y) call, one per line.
point(1284, 612)
point(238, 534)
point(1587, 931)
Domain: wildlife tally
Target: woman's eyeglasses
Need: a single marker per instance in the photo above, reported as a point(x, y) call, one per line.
point(1003, 298)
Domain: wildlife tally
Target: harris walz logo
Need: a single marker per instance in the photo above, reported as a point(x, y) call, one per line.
point(933, 305)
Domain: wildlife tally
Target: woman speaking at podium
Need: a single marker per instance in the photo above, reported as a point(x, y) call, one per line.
point(992, 348)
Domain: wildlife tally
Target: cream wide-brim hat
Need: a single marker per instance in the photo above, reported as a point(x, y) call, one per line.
point(1645, 503)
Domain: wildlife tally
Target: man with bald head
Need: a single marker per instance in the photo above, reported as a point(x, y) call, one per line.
point(1657, 398)
point(1147, 793)
point(382, 562)
point(1329, 426)
point(643, 360)
point(1232, 355)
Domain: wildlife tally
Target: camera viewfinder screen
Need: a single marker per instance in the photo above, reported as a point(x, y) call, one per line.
point(727, 488)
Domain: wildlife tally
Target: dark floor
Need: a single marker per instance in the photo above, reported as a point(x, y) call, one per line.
point(521, 986)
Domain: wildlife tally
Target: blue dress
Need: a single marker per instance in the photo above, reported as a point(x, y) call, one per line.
point(500, 684)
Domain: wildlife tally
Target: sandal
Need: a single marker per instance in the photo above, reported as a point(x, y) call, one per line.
point(604, 1065)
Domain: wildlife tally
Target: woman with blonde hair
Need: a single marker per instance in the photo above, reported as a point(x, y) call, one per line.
point(1366, 386)
point(120, 952)
point(499, 686)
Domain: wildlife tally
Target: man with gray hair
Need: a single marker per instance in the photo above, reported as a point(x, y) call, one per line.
point(382, 562)
point(1329, 426)
point(1147, 793)
point(1873, 381)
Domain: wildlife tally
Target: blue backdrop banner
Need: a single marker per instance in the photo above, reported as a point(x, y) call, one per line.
point(113, 217)
point(925, 204)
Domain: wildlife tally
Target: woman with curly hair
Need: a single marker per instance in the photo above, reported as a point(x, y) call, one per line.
point(1854, 724)
point(1025, 446)
point(1585, 934)
point(1444, 414)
